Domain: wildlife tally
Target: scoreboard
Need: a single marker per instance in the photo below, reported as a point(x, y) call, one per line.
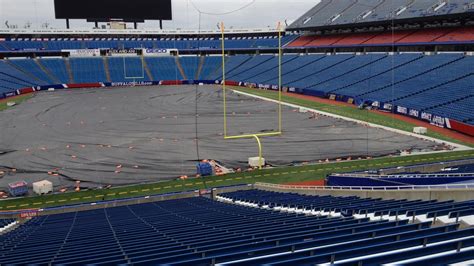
point(105, 10)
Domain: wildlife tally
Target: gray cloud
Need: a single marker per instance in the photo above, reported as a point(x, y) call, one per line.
point(260, 14)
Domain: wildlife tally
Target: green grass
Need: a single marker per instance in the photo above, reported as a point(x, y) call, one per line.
point(276, 175)
point(18, 99)
point(351, 112)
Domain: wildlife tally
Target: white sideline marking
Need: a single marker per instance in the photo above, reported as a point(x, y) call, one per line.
point(457, 147)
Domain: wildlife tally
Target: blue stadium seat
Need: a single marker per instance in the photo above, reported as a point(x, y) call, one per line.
point(88, 70)
point(438, 84)
point(200, 231)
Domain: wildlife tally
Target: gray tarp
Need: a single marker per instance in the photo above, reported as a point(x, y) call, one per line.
point(152, 134)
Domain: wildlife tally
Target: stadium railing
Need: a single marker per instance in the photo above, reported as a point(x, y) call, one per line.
point(371, 188)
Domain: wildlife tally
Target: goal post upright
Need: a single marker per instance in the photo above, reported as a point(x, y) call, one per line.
point(256, 136)
point(280, 55)
point(125, 72)
point(223, 79)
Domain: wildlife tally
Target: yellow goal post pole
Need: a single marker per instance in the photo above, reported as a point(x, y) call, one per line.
point(223, 79)
point(280, 54)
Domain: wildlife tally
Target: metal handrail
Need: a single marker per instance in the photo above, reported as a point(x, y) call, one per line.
point(385, 188)
point(406, 175)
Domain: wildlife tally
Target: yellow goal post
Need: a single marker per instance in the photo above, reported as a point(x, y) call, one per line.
point(224, 88)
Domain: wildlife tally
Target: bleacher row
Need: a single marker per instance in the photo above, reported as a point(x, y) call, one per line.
point(454, 177)
point(375, 209)
point(400, 181)
point(203, 43)
point(439, 84)
point(5, 222)
point(405, 37)
point(20, 73)
point(465, 168)
point(334, 12)
point(200, 231)
point(7, 225)
point(433, 36)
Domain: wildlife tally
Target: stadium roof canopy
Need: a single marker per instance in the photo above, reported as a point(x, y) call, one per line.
point(330, 14)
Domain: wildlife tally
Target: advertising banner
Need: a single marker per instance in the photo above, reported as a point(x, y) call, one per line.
point(414, 113)
point(402, 110)
point(388, 106)
point(29, 214)
point(122, 52)
point(131, 83)
point(83, 52)
point(159, 52)
point(426, 116)
point(438, 121)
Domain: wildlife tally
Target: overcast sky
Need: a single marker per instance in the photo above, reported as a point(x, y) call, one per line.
point(260, 14)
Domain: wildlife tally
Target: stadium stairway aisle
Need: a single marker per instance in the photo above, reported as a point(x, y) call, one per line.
point(261, 72)
point(163, 68)
point(32, 69)
point(211, 65)
point(88, 70)
point(200, 231)
point(12, 78)
point(192, 65)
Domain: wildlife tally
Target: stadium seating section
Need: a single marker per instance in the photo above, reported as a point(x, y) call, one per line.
point(405, 180)
point(258, 228)
point(454, 176)
point(440, 84)
point(405, 37)
point(465, 168)
point(4, 222)
point(334, 12)
point(57, 44)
